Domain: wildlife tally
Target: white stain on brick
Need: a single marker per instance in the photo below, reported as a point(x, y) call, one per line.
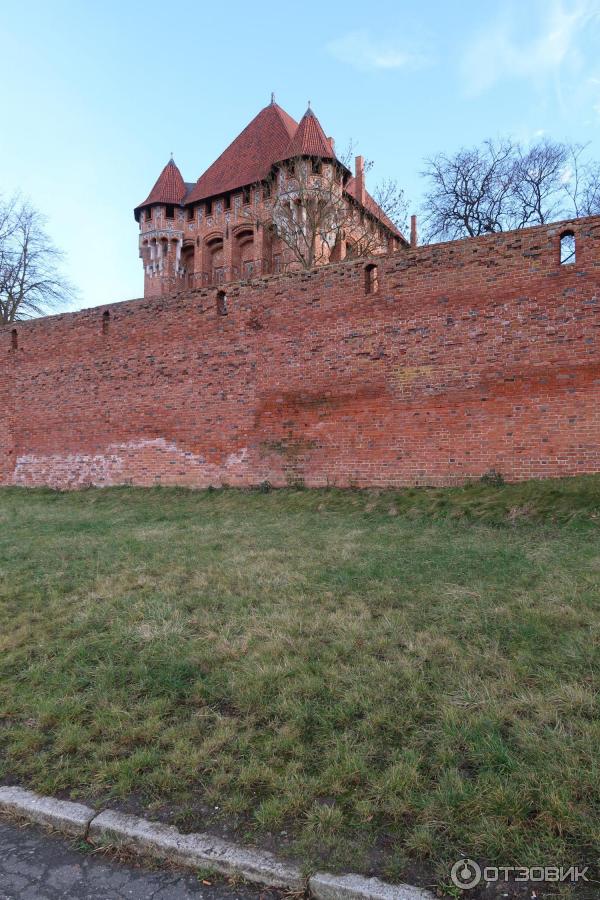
point(142, 461)
point(235, 459)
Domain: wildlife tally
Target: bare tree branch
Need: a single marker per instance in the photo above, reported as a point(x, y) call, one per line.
point(31, 282)
point(310, 213)
point(583, 183)
point(501, 186)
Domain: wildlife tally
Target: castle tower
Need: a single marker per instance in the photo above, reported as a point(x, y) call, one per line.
point(229, 225)
point(161, 220)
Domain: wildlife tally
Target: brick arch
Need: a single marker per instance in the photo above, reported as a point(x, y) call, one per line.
point(188, 261)
point(145, 251)
point(213, 258)
point(242, 228)
point(213, 235)
point(244, 251)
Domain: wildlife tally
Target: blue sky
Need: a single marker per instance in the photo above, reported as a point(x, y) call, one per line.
point(99, 94)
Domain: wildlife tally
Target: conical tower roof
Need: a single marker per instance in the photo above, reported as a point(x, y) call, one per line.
point(169, 188)
point(309, 139)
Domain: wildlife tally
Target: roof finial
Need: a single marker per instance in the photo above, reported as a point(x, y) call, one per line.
point(272, 97)
point(309, 104)
point(172, 160)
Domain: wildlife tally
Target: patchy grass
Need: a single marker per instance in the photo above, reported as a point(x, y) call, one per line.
point(392, 679)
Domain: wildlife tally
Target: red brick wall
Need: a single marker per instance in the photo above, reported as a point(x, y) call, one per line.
point(473, 355)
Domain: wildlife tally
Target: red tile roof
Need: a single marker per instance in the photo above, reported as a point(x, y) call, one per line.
point(271, 137)
point(169, 188)
point(250, 157)
point(309, 139)
point(372, 207)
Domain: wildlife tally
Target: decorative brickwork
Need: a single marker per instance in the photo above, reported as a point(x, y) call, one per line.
point(468, 356)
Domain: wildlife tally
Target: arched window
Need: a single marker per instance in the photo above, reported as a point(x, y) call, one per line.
point(567, 248)
point(221, 303)
point(14, 340)
point(371, 282)
point(105, 321)
point(243, 253)
point(213, 259)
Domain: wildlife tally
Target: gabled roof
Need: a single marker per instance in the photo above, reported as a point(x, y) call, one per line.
point(169, 188)
point(250, 157)
point(309, 139)
point(372, 207)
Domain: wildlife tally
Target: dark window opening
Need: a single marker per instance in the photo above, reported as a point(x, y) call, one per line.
point(221, 303)
point(208, 207)
point(371, 283)
point(246, 196)
point(149, 214)
point(105, 321)
point(170, 212)
point(14, 340)
point(317, 166)
point(227, 201)
point(191, 213)
point(567, 248)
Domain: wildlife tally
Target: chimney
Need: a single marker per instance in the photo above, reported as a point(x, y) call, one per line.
point(359, 174)
point(413, 231)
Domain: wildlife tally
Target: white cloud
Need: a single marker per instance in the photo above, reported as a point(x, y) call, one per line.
point(567, 175)
point(359, 49)
point(498, 52)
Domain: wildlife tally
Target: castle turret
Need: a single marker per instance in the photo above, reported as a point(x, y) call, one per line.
point(310, 140)
point(161, 220)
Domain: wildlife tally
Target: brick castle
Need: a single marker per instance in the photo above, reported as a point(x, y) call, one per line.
point(220, 228)
point(418, 365)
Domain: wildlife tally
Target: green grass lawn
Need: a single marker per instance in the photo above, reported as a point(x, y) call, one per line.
point(390, 679)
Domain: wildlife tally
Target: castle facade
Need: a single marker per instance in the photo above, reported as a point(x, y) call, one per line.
point(277, 199)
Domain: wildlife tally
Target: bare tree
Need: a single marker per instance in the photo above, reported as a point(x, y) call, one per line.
point(388, 195)
point(391, 200)
point(538, 178)
point(469, 192)
point(588, 200)
point(31, 282)
point(311, 213)
point(502, 185)
point(583, 182)
point(308, 210)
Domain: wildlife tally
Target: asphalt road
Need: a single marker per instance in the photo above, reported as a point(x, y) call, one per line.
point(39, 866)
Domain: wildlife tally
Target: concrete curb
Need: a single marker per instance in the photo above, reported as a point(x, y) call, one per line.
point(70, 818)
point(354, 887)
point(197, 851)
